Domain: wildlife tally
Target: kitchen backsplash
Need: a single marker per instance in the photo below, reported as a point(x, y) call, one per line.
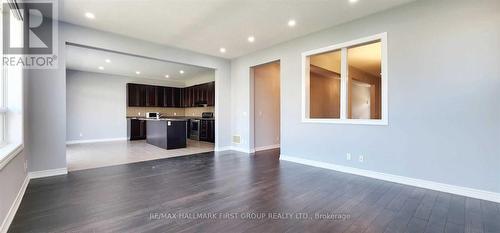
point(134, 111)
point(197, 111)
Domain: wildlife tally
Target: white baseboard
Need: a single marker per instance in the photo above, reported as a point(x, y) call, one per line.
point(270, 147)
point(463, 191)
point(222, 148)
point(95, 140)
point(13, 208)
point(47, 173)
point(31, 175)
point(248, 151)
point(235, 148)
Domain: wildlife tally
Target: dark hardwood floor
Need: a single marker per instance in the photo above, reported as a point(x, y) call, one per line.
point(234, 192)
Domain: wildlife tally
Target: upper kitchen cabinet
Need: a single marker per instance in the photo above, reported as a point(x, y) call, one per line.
point(210, 93)
point(140, 95)
point(136, 95)
point(160, 99)
point(167, 97)
point(199, 95)
point(197, 101)
point(171, 97)
point(177, 97)
point(187, 97)
point(152, 96)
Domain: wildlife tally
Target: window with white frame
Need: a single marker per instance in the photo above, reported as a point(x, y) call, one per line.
point(11, 95)
point(3, 108)
point(346, 83)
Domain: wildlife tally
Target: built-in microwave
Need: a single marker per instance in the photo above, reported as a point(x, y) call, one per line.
point(153, 115)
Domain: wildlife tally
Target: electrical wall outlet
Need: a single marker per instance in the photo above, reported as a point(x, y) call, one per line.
point(361, 158)
point(139, 113)
point(25, 165)
point(348, 156)
point(175, 114)
point(81, 134)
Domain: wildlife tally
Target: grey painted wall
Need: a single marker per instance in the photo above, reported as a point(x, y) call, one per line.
point(46, 131)
point(96, 104)
point(444, 74)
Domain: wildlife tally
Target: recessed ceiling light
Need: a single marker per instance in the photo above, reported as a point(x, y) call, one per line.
point(107, 61)
point(291, 23)
point(90, 15)
point(181, 71)
point(101, 68)
point(222, 50)
point(353, 1)
point(167, 76)
point(138, 72)
point(251, 39)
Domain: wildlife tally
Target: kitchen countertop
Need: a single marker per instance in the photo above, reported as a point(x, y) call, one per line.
point(165, 119)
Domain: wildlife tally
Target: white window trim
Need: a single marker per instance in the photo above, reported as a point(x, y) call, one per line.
point(3, 101)
point(3, 104)
point(9, 148)
point(343, 95)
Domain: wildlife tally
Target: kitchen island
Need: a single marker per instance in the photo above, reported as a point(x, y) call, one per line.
point(166, 133)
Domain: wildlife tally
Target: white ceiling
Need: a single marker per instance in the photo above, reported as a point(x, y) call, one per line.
point(86, 59)
point(206, 25)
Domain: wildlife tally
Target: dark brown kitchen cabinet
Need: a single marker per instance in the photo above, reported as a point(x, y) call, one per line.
point(207, 130)
point(197, 95)
point(139, 95)
point(160, 93)
point(136, 129)
point(210, 93)
point(192, 97)
point(200, 95)
point(184, 97)
point(136, 95)
point(151, 96)
point(167, 97)
point(177, 97)
point(204, 94)
point(188, 98)
point(211, 131)
point(171, 97)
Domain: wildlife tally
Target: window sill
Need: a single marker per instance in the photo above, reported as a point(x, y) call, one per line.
point(347, 121)
point(8, 152)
